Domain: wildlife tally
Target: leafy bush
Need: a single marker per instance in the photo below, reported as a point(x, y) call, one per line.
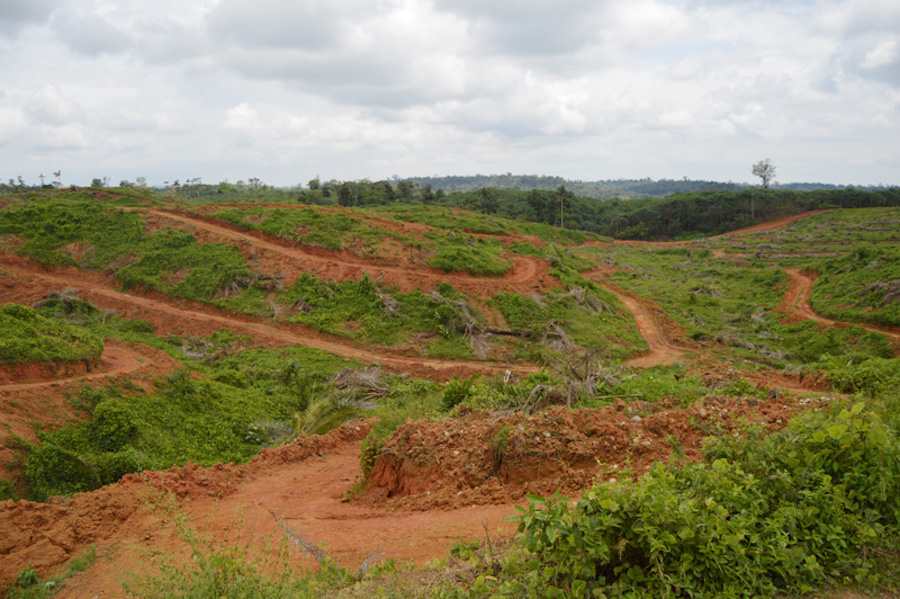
point(872, 376)
point(464, 253)
point(7, 491)
point(787, 513)
point(112, 425)
point(455, 391)
point(52, 470)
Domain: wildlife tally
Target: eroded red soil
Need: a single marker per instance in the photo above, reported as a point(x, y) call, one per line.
point(303, 484)
point(434, 483)
point(489, 458)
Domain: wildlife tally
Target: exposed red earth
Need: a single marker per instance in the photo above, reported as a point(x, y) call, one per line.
point(434, 484)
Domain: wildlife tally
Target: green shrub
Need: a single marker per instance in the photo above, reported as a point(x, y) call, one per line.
point(455, 391)
point(871, 376)
point(7, 491)
point(112, 425)
point(52, 470)
point(787, 513)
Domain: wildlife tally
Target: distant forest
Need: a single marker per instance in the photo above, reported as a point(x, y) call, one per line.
point(606, 189)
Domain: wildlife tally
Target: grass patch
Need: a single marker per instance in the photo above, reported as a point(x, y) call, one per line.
point(457, 252)
point(309, 226)
point(361, 310)
point(28, 584)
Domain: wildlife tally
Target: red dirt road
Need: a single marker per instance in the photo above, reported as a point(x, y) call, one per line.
point(303, 484)
point(648, 316)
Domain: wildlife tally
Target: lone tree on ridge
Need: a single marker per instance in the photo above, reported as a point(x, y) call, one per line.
point(765, 170)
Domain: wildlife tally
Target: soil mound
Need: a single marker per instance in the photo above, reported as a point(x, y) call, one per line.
point(483, 458)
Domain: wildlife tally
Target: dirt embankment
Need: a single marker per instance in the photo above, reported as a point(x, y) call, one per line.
point(484, 459)
point(303, 484)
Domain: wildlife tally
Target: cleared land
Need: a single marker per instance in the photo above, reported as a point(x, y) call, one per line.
point(409, 510)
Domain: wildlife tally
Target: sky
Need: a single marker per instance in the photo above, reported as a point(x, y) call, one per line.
point(287, 90)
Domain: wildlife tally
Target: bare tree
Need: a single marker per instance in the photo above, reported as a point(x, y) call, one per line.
point(765, 170)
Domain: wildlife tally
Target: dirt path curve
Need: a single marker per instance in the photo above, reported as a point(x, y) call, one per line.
point(41, 395)
point(527, 272)
point(648, 316)
point(796, 302)
point(302, 484)
point(117, 359)
point(100, 294)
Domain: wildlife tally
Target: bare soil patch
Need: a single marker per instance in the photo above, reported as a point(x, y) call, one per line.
point(499, 458)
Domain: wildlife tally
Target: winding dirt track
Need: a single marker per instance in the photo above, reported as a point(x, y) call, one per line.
point(116, 360)
point(663, 351)
point(796, 302)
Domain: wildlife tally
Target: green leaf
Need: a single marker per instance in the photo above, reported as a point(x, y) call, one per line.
point(609, 504)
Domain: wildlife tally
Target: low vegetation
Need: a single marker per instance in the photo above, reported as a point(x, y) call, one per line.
point(26, 336)
point(809, 507)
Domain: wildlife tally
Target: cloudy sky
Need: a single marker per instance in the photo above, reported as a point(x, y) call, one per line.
point(285, 90)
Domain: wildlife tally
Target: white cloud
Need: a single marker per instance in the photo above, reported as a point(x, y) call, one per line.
point(89, 33)
point(885, 53)
point(49, 107)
